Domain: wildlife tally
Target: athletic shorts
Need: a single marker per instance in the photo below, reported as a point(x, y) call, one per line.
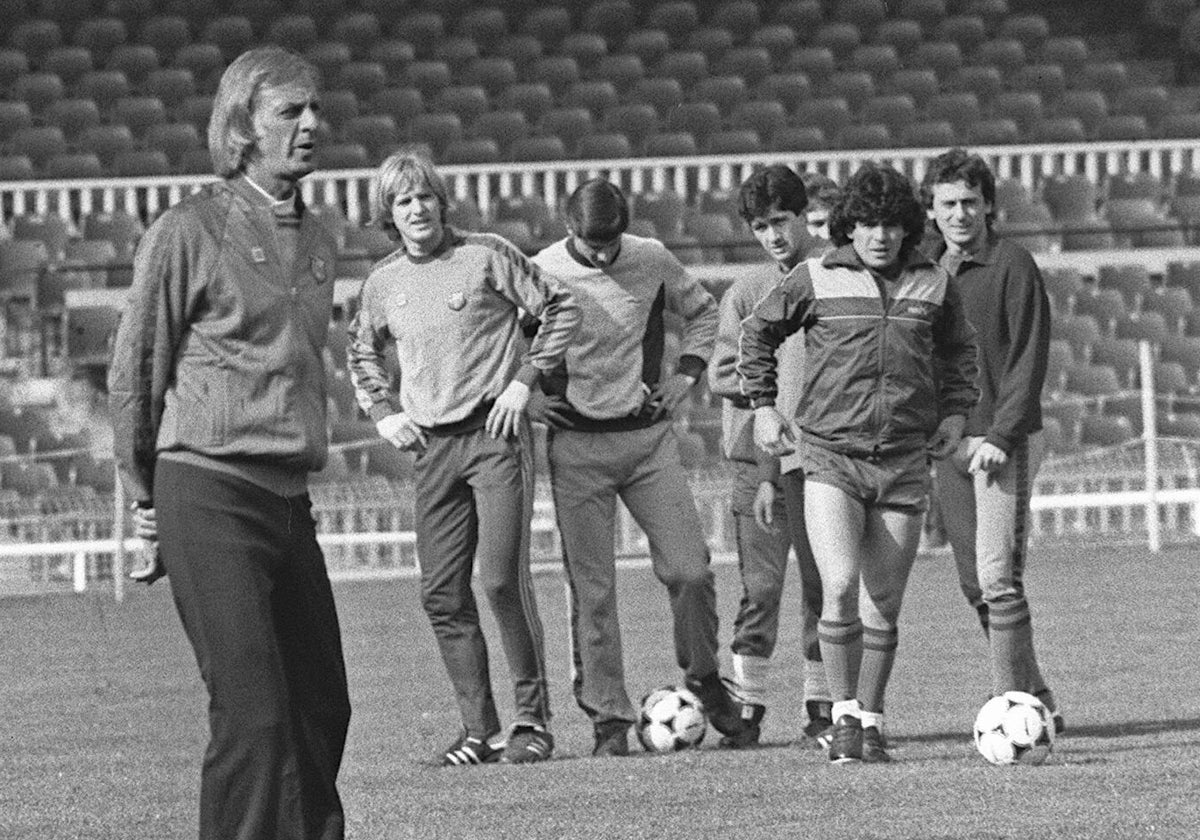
point(899, 481)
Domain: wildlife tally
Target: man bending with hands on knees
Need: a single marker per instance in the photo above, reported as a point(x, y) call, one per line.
point(608, 406)
point(889, 367)
point(451, 303)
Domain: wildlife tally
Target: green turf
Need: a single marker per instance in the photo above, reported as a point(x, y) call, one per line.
point(103, 723)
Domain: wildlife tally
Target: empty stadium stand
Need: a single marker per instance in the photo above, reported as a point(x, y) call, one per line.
point(97, 90)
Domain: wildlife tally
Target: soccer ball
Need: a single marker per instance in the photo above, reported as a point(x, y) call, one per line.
point(671, 719)
point(1014, 728)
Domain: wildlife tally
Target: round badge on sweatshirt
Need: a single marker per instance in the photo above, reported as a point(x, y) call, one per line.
point(457, 301)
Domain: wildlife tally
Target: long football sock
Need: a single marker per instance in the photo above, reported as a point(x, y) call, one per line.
point(842, 652)
point(1011, 640)
point(879, 653)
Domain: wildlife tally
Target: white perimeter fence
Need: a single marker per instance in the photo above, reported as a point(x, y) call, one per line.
point(1147, 489)
point(1150, 487)
point(688, 176)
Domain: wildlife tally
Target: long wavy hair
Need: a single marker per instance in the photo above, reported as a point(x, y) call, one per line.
point(231, 138)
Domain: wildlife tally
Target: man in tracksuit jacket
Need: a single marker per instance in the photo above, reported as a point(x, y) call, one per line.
point(984, 488)
point(888, 383)
point(218, 395)
point(611, 436)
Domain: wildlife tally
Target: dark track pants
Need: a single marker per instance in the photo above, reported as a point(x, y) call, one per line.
point(250, 584)
point(474, 502)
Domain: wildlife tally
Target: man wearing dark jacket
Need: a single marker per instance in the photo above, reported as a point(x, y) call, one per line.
point(984, 488)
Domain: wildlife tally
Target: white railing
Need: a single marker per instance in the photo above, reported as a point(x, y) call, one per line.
point(688, 176)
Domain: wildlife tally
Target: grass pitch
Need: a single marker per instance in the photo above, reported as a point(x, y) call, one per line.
point(103, 723)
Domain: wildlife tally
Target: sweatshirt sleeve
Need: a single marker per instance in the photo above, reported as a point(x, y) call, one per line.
point(685, 297)
point(543, 298)
point(784, 310)
point(722, 372)
point(1020, 389)
point(369, 337)
point(152, 327)
point(954, 346)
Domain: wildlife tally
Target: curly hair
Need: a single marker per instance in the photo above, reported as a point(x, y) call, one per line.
point(877, 194)
point(775, 187)
point(960, 165)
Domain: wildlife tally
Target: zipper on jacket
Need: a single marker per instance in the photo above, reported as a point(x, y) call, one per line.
point(877, 411)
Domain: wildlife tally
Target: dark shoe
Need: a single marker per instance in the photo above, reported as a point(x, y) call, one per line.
point(528, 743)
point(752, 715)
point(874, 746)
point(612, 739)
point(847, 741)
point(467, 749)
point(819, 729)
point(722, 711)
point(1047, 698)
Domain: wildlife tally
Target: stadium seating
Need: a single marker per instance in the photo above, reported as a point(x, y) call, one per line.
point(125, 88)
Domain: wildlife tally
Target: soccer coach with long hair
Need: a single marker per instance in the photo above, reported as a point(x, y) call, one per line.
point(218, 395)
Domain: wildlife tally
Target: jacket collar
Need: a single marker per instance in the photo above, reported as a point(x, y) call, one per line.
point(986, 255)
point(258, 197)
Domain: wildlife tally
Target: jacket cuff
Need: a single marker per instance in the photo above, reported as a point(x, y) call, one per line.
point(528, 375)
point(768, 468)
point(380, 410)
point(690, 365)
point(1001, 442)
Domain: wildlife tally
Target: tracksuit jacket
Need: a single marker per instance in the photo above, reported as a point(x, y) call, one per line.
point(218, 354)
point(886, 360)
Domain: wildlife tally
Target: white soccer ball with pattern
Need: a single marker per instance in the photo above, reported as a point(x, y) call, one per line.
point(1014, 728)
point(671, 719)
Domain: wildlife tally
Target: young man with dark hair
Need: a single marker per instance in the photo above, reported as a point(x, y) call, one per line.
point(610, 436)
point(984, 487)
point(768, 492)
point(823, 194)
point(887, 384)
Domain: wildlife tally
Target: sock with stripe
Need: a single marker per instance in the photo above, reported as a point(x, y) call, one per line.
point(1011, 639)
point(879, 654)
point(842, 652)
